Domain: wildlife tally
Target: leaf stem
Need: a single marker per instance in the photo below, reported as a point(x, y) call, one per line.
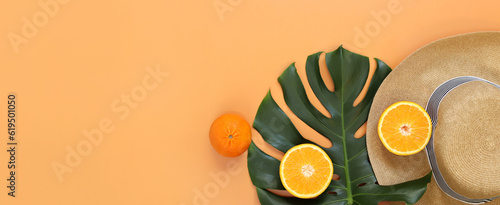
point(350, 200)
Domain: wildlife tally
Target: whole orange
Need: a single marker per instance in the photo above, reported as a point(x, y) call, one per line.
point(230, 135)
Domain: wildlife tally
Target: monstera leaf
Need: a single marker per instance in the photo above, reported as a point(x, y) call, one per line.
point(357, 183)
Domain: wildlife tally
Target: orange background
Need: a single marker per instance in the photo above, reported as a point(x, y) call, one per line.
point(85, 55)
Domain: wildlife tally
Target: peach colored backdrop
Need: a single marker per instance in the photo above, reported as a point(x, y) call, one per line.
point(147, 78)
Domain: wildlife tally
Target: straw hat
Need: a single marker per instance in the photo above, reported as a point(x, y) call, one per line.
point(467, 138)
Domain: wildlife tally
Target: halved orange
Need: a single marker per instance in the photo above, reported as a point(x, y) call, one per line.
point(306, 171)
point(404, 128)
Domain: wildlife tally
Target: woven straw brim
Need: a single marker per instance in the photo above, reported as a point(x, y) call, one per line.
point(467, 138)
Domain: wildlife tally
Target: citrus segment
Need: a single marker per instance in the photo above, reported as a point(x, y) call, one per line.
point(405, 128)
point(306, 171)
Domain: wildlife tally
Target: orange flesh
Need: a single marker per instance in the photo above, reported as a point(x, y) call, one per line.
point(307, 172)
point(405, 128)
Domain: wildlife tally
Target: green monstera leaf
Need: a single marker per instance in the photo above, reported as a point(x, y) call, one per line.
point(357, 183)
